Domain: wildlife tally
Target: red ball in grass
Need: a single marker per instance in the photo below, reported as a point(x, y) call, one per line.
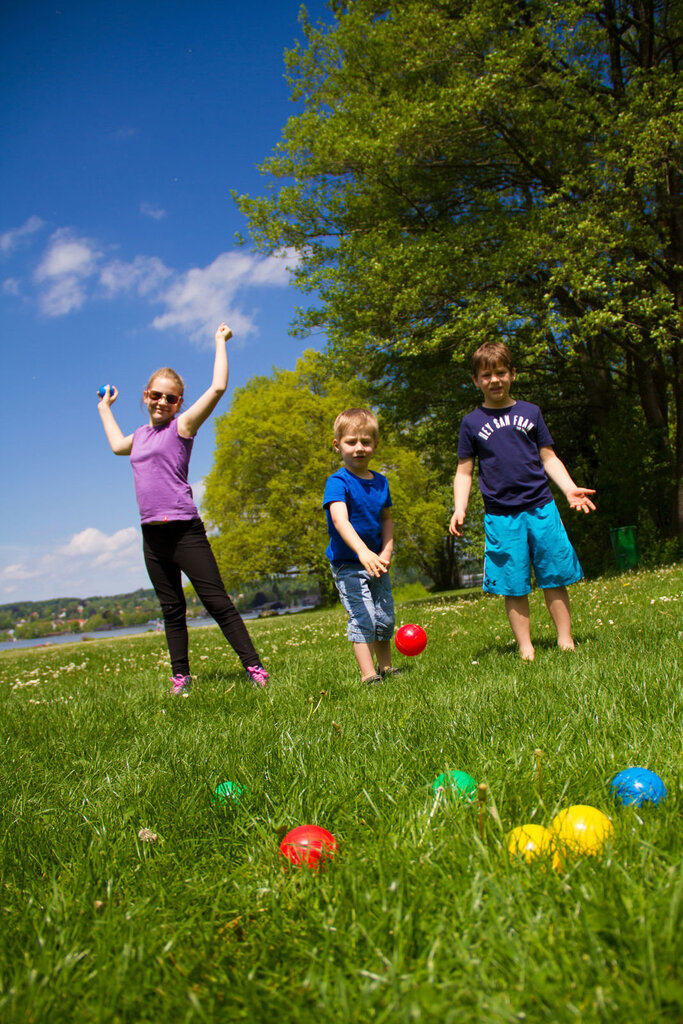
point(411, 640)
point(308, 846)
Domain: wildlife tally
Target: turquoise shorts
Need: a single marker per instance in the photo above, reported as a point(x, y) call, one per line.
point(516, 542)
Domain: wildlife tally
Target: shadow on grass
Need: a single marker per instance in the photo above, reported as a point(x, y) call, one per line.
point(509, 648)
point(223, 678)
point(444, 597)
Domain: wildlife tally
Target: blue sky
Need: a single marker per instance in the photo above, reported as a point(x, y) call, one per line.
point(125, 127)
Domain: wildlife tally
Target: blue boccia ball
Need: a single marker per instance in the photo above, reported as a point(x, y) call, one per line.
point(103, 390)
point(635, 786)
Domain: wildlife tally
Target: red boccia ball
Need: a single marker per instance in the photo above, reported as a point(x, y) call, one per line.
point(308, 845)
point(411, 640)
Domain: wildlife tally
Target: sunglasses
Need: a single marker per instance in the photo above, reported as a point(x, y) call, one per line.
point(156, 396)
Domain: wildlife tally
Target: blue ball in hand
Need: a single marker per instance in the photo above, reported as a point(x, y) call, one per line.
point(103, 390)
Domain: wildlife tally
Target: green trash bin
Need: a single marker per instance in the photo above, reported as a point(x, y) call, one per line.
point(625, 544)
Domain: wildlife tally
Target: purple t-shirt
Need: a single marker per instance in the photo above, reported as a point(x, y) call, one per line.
point(160, 458)
point(507, 442)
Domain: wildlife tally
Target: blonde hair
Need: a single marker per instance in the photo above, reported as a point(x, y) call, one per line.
point(490, 353)
point(356, 419)
point(170, 374)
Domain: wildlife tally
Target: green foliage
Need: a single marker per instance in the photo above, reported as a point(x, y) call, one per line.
point(136, 606)
point(35, 628)
point(290, 590)
point(421, 916)
point(468, 171)
point(419, 513)
point(273, 454)
point(410, 592)
point(264, 492)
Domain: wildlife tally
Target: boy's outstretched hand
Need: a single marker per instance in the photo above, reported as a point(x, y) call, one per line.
point(578, 499)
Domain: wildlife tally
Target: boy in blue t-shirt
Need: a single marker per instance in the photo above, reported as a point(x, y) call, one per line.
point(522, 523)
point(358, 508)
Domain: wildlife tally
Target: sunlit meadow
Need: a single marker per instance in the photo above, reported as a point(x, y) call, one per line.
point(422, 915)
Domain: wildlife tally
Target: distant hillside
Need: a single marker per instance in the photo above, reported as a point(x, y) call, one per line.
point(65, 614)
point(30, 619)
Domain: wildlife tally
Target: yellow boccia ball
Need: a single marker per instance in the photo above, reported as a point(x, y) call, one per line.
point(582, 829)
point(529, 842)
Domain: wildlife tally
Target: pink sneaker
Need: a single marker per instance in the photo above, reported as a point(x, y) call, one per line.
point(257, 676)
point(180, 686)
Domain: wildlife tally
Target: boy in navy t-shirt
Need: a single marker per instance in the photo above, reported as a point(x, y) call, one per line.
point(358, 507)
point(522, 523)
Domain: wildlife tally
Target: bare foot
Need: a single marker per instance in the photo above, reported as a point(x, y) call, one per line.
point(566, 645)
point(527, 653)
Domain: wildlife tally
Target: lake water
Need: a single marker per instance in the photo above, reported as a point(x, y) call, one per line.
point(106, 634)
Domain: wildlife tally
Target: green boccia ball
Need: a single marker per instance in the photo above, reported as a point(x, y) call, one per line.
point(228, 791)
point(457, 784)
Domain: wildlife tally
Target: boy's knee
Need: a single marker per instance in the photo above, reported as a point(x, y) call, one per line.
point(361, 627)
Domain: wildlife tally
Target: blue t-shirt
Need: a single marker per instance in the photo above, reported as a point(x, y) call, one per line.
point(364, 500)
point(507, 442)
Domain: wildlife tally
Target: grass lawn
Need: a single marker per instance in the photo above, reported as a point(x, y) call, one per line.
point(422, 915)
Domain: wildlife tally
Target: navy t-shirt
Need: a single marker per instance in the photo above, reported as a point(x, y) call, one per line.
point(507, 442)
point(365, 500)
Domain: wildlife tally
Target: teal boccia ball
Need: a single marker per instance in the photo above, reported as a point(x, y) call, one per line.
point(456, 783)
point(228, 791)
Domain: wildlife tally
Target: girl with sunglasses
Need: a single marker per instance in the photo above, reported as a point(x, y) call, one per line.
point(173, 535)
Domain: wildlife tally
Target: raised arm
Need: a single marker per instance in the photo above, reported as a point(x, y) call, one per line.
point(558, 473)
point(462, 485)
point(191, 420)
point(120, 444)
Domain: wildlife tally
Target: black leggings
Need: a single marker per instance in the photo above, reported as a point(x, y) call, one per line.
point(182, 545)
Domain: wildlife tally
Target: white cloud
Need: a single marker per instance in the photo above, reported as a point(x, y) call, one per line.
point(198, 489)
point(10, 239)
point(74, 270)
point(92, 541)
point(64, 295)
point(19, 572)
point(145, 275)
point(121, 134)
point(10, 286)
point(203, 296)
point(64, 270)
point(92, 562)
point(67, 255)
point(155, 212)
point(274, 270)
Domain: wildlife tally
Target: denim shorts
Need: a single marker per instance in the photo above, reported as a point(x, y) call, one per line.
point(368, 600)
point(516, 542)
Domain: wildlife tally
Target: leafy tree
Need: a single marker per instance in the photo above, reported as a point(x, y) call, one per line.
point(468, 170)
point(34, 629)
point(96, 621)
point(264, 492)
point(109, 607)
point(422, 508)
